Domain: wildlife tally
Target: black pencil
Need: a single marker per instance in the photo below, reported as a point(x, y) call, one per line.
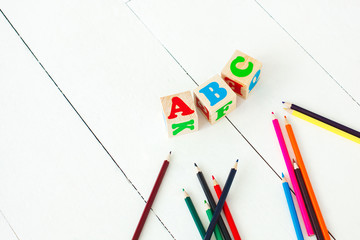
point(220, 205)
point(322, 119)
point(308, 205)
point(211, 201)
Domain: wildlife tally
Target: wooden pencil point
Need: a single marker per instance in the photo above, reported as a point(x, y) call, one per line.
point(197, 168)
point(295, 165)
point(273, 115)
point(236, 164)
point(215, 182)
point(286, 120)
point(168, 156)
point(286, 104)
point(288, 110)
point(185, 194)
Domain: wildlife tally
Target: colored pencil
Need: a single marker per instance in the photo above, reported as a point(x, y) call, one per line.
point(151, 198)
point(194, 214)
point(208, 211)
point(211, 201)
point(308, 204)
point(300, 162)
point(292, 210)
point(294, 182)
point(322, 119)
point(327, 124)
point(227, 212)
point(219, 206)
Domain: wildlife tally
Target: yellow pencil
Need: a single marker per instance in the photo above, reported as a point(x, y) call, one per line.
point(323, 125)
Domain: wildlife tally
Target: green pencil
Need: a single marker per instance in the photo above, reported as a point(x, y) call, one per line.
point(217, 232)
point(194, 214)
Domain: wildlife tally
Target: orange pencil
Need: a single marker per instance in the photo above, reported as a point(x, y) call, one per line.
point(306, 180)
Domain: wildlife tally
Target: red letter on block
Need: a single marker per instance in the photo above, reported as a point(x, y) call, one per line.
point(236, 87)
point(179, 106)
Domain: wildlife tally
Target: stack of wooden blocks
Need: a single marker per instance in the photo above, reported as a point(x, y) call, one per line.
point(215, 98)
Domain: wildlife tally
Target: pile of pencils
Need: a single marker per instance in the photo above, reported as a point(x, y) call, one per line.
point(213, 210)
point(305, 196)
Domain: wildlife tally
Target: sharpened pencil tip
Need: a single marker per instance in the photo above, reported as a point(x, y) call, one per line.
point(236, 164)
point(168, 156)
point(273, 116)
point(195, 164)
point(205, 201)
point(282, 175)
point(283, 102)
point(183, 190)
point(212, 177)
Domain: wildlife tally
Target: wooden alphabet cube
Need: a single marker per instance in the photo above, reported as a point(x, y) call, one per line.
point(180, 113)
point(241, 73)
point(215, 99)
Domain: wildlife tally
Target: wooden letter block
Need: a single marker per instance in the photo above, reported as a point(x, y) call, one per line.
point(215, 99)
point(241, 73)
point(179, 113)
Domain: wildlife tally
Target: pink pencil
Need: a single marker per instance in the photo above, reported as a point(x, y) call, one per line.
point(291, 172)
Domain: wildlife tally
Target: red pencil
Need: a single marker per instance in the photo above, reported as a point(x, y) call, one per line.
point(227, 212)
point(151, 199)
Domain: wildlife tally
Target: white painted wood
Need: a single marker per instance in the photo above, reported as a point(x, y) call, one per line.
point(329, 31)
point(5, 229)
point(57, 182)
point(114, 70)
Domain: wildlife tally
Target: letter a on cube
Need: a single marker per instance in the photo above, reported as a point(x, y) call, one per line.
point(241, 73)
point(215, 99)
point(179, 113)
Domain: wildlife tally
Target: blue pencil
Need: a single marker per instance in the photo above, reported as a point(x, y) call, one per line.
point(221, 202)
point(292, 210)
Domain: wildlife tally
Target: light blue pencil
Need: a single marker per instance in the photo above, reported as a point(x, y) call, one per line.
point(292, 210)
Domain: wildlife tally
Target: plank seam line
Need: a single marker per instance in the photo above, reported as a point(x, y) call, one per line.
point(198, 85)
point(72, 106)
point(12, 229)
point(307, 53)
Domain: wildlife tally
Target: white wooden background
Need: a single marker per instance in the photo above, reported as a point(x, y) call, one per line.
point(81, 132)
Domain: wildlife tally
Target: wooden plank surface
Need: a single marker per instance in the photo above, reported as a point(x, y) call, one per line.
point(113, 61)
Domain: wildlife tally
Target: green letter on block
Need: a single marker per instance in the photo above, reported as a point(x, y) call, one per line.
point(221, 111)
point(181, 126)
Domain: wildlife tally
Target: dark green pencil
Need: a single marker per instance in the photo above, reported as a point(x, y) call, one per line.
point(209, 213)
point(194, 214)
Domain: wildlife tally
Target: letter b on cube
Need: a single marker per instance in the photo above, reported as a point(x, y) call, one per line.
point(179, 113)
point(215, 99)
point(241, 73)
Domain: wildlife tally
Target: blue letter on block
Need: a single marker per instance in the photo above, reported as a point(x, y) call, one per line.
point(254, 80)
point(214, 93)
